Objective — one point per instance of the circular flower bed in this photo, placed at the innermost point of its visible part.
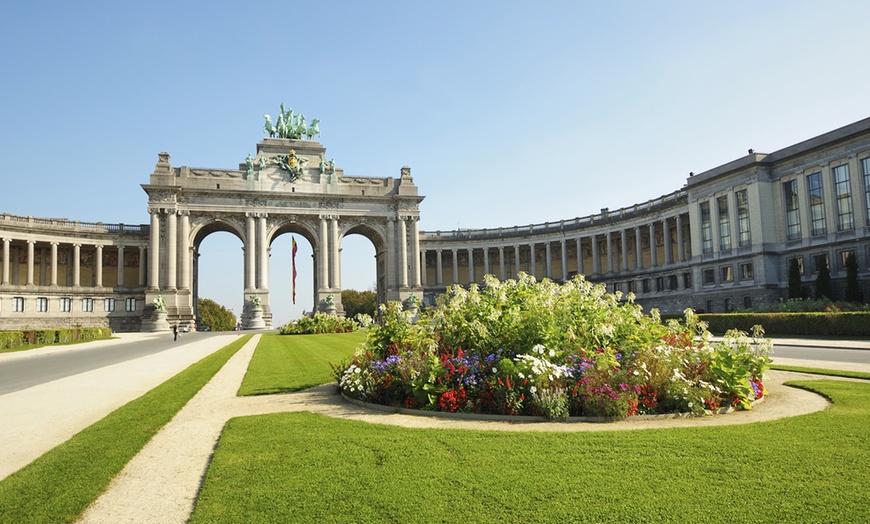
(523, 347)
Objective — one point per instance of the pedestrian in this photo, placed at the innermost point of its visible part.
(239, 328)
(174, 332)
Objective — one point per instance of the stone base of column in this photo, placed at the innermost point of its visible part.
(155, 322)
(255, 319)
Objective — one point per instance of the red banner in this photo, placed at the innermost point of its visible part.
(294, 269)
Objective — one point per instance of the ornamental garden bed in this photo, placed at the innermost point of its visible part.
(538, 349)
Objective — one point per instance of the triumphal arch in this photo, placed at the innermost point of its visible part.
(288, 186)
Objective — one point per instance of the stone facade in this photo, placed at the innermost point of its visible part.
(721, 242)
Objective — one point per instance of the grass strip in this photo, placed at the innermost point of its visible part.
(290, 363)
(304, 467)
(822, 371)
(59, 486)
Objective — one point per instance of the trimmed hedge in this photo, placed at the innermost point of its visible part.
(847, 324)
(42, 337)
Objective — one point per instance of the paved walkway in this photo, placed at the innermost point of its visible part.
(161, 483)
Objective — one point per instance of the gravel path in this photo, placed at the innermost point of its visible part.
(161, 483)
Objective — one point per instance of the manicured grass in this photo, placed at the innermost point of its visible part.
(59, 486)
(823, 371)
(303, 467)
(284, 363)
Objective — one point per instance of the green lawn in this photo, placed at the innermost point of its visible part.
(285, 363)
(303, 467)
(58, 486)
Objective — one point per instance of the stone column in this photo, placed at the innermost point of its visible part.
(184, 245)
(610, 262)
(250, 252)
(486, 270)
(142, 269)
(334, 255)
(681, 248)
(455, 266)
(263, 252)
(471, 265)
(77, 269)
(596, 256)
(54, 264)
(653, 256)
(533, 262)
(423, 267)
(403, 253)
(439, 269)
(30, 244)
(120, 266)
(564, 260)
(416, 277)
(580, 256)
(623, 237)
(6, 242)
(391, 254)
(153, 252)
(548, 257)
(669, 254)
(171, 249)
(501, 262)
(638, 249)
(516, 260)
(98, 265)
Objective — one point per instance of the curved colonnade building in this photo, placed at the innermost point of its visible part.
(724, 241)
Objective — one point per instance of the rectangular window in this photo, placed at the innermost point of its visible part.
(42, 304)
(88, 305)
(706, 228)
(843, 188)
(709, 277)
(646, 285)
(727, 305)
(672, 282)
(746, 272)
(820, 261)
(109, 305)
(724, 223)
(800, 263)
(65, 304)
(130, 305)
(817, 204)
(744, 238)
(865, 164)
(18, 304)
(747, 302)
(844, 256)
(660, 284)
(726, 273)
(687, 281)
(792, 211)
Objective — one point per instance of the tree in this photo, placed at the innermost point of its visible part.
(853, 289)
(215, 316)
(823, 281)
(355, 302)
(795, 287)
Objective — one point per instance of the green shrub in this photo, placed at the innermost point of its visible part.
(837, 324)
(319, 323)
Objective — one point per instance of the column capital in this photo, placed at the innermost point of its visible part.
(31, 241)
(54, 243)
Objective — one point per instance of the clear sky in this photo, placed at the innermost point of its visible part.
(508, 113)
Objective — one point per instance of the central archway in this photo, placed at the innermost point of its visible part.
(276, 192)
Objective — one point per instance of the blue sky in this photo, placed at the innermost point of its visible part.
(508, 113)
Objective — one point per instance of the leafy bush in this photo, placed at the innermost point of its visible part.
(522, 347)
(215, 316)
(319, 323)
(358, 302)
(16, 339)
(832, 323)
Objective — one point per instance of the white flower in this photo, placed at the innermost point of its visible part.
(690, 405)
(533, 390)
(552, 352)
(522, 376)
(495, 370)
(357, 370)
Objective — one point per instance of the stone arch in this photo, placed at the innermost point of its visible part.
(376, 234)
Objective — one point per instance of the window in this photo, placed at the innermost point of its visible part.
(747, 302)
(632, 286)
(672, 282)
(843, 189)
(710, 304)
(65, 304)
(866, 165)
(792, 211)
(800, 263)
(646, 285)
(709, 277)
(724, 223)
(42, 304)
(88, 305)
(687, 280)
(746, 272)
(844, 255)
(660, 284)
(820, 261)
(817, 204)
(728, 305)
(726, 273)
(130, 305)
(109, 305)
(18, 304)
(744, 237)
(706, 229)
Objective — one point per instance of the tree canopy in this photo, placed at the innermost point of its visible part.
(356, 302)
(215, 316)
